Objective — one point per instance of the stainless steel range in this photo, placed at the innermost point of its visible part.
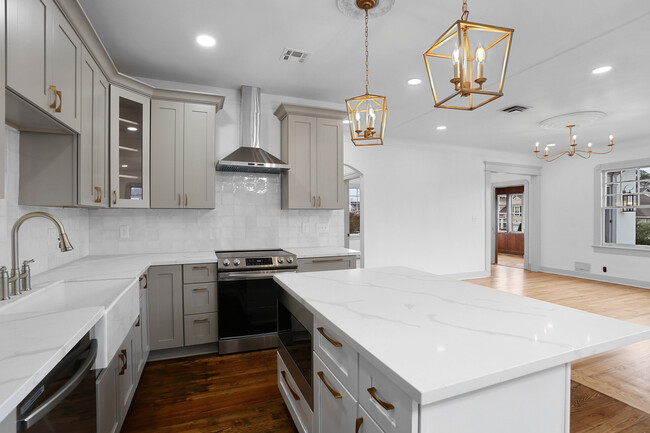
(247, 298)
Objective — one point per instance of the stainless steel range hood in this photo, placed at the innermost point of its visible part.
(250, 157)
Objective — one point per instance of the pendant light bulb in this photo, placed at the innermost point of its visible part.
(455, 56)
(480, 54)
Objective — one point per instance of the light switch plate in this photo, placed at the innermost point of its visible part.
(124, 232)
(323, 228)
(305, 227)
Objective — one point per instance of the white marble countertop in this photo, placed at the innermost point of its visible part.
(306, 252)
(40, 326)
(437, 338)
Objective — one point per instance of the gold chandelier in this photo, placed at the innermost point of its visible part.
(468, 45)
(573, 148)
(367, 113)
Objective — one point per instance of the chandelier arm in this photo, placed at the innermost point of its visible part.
(556, 156)
(604, 153)
(581, 153)
(367, 69)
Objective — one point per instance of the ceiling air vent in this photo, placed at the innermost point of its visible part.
(515, 109)
(295, 56)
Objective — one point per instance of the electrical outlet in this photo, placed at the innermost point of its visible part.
(580, 266)
(124, 232)
(604, 268)
(323, 228)
(305, 227)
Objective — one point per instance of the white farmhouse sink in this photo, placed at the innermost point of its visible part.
(119, 299)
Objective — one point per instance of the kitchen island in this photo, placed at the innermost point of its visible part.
(448, 356)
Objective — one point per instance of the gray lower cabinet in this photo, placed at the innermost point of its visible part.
(314, 264)
(200, 328)
(182, 155)
(8, 425)
(165, 290)
(108, 415)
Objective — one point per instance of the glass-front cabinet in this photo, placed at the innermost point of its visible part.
(130, 118)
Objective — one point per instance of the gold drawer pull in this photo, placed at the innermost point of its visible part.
(385, 405)
(293, 393)
(98, 190)
(201, 320)
(330, 339)
(114, 197)
(200, 267)
(332, 390)
(53, 89)
(146, 280)
(124, 359)
(137, 324)
(59, 93)
(179, 200)
(318, 201)
(200, 289)
(327, 260)
(359, 422)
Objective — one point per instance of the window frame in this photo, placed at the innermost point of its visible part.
(600, 207)
(510, 212)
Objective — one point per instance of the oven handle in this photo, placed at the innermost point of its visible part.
(236, 276)
(39, 412)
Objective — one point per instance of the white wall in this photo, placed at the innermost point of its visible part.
(38, 237)
(568, 194)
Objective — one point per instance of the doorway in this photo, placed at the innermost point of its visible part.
(510, 239)
(353, 211)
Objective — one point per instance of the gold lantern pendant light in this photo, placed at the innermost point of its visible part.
(367, 113)
(464, 50)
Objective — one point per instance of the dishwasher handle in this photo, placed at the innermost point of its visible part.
(39, 412)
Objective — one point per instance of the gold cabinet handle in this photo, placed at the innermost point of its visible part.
(54, 93)
(200, 267)
(200, 289)
(318, 201)
(124, 359)
(98, 198)
(293, 393)
(330, 339)
(100, 194)
(327, 260)
(314, 201)
(179, 199)
(146, 281)
(137, 324)
(385, 405)
(335, 393)
(201, 320)
(60, 95)
(114, 197)
(359, 422)
(186, 198)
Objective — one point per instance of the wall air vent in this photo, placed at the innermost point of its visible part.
(515, 109)
(294, 56)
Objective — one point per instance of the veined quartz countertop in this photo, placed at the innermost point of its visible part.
(437, 338)
(305, 252)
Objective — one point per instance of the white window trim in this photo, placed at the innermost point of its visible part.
(599, 224)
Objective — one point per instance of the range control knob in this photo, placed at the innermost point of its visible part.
(236, 262)
(226, 262)
(289, 259)
(280, 260)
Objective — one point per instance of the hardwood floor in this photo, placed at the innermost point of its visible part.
(238, 393)
(209, 393)
(510, 260)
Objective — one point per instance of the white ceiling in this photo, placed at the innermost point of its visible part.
(555, 46)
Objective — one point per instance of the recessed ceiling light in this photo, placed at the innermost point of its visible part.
(441, 128)
(132, 128)
(414, 81)
(206, 41)
(550, 145)
(601, 70)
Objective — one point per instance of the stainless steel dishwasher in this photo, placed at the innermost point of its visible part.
(65, 400)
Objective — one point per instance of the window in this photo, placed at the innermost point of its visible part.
(355, 210)
(510, 213)
(625, 206)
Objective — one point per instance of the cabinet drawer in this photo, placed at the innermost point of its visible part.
(402, 417)
(200, 298)
(297, 405)
(200, 273)
(366, 423)
(336, 353)
(335, 409)
(314, 264)
(200, 329)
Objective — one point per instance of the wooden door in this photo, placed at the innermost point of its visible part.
(198, 156)
(64, 69)
(27, 26)
(165, 285)
(329, 164)
(301, 154)
(167, 154)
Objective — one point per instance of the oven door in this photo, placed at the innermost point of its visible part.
(295, 325)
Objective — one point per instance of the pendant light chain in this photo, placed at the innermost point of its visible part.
(367, 70)
(465, 14)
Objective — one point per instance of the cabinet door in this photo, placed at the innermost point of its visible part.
(144, 318)
(107, 410)
(198, 156)
(165, 287)
(125, 375)
(27, 25)
(335, 410)
(130, 116)
(329, 164)
(138, 355)
(63, 69)
(167, 154)
(364, 423)
(93, 137)
(300, 154)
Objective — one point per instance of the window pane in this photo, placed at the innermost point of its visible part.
(630, 174)
(516, 213)
(644, 173)
(613, 200)
(612, 189)
(355, 210)
(643, 227)
(613, 176)
(610, 226)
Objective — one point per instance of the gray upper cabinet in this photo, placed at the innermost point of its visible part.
(182, 155)
(312, 144)
(165, 285)
(93, 138)
(44, 59)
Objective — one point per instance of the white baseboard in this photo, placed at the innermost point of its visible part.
(595, 277)
(468, 275)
